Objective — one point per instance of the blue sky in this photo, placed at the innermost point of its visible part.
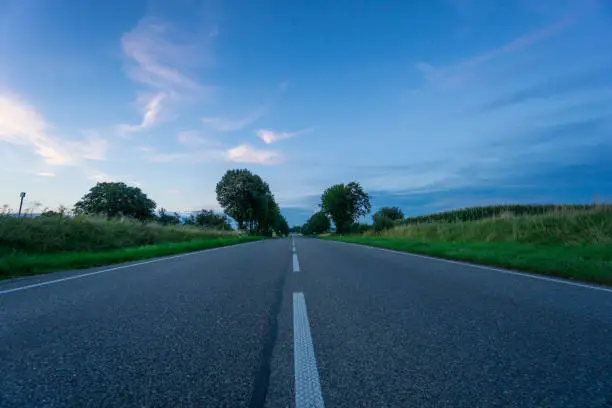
(431, 105)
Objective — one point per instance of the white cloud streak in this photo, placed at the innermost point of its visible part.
(151, 114)
(270, 136)
(22, 125)
(246, 153)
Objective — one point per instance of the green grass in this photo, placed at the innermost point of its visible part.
(570, 243)
(585, 263)
(20, 264)
(43, 235)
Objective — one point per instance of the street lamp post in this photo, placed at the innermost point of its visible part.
(22, 195)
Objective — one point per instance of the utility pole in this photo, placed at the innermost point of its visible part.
(22, 195)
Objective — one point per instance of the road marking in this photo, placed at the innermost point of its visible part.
(506, 271)
(84, 275)
(307, 384)
(296, 263)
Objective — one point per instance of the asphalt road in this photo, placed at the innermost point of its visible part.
(355, 327)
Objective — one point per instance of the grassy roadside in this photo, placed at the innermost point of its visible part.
(592, 263)
(22, 264)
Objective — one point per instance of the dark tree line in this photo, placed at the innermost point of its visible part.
(244, 196)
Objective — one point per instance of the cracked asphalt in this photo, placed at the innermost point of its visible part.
(214, 329)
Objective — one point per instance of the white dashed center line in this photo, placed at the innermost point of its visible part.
(307, 384)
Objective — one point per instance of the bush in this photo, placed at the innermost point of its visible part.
(83, 233)
(382, 223)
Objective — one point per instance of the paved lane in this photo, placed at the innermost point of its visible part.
(190, 331)
(393, 330)
(323, 323)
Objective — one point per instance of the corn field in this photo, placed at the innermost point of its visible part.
(493, 211)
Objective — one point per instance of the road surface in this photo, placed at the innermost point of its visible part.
(308, 323)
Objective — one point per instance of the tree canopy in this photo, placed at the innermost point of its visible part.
(116, 199)
(318, 223)
(207, 219)
(246, 198)
(344, 204)
(385, 218)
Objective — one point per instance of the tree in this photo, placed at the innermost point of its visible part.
(243, 196)
(207, 219)
(246, 198)
(344, 204)
(167, 219)
(115, 200)
(318, 223)
(393, 213)
(385, 218)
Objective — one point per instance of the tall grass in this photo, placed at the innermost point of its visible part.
(479, 213)
(567, 226)
(44, 235)
(570, 242)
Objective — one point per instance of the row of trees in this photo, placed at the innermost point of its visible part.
(344, 204)
(244, 196)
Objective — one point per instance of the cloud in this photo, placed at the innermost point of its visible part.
(45, 174)
(159, 55)
(22, 125)
(222, 124)
(270, 136)
(151, 114)
(101, 177)
(464, 69)
(245, 153)
(152, 56)
(146, 149)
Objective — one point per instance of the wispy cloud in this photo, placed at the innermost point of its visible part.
(270, 136)
(246, 153)
(45, 174)
(463, 70)
(153, 56)
(151, 114)
(160, 56)
(222, 124)
(22, 125)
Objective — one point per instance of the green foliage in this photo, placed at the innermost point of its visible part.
(207, 219)
(247, 198)
(344, 204)
(167, 219)
(588, 263)
(386, 217)
(381, 223)
(297, 229)
(566, 227)
(479, 213)
(318, 223)
(83, 233)
(393, 213)
(18, 264)
(115, 200)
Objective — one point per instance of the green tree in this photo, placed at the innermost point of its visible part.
(244, 197)
(207, 219)
(318, 223)
(165, 218)
(344, 204)
(115, 200)
(386, 217)
(393, 213)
